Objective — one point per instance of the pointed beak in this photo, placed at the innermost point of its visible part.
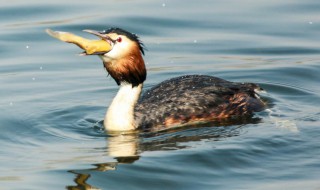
(90, 47)
(101, 35)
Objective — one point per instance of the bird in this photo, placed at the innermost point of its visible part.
(176, 102)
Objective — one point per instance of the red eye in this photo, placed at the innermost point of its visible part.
(119, 39)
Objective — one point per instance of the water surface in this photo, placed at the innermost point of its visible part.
(53, 101)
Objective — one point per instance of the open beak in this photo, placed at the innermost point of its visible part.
(90, 47)
(101, 35)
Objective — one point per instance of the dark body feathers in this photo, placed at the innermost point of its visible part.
(194, 98)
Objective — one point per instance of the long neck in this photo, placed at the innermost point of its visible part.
(120, 115)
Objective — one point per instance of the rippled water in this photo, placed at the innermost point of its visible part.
(53, 101)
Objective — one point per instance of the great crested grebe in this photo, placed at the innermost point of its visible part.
(175, 102)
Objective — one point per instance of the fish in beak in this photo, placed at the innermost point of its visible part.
(90, 47)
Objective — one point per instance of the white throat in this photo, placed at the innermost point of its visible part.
(120, 114)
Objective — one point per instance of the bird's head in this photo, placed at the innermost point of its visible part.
(123, 57)
(120, 51)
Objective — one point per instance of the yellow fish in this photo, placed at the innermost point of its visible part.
(91, 47)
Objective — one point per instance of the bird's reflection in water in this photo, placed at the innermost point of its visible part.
(81, 181)
(121, 146)
(126, 147)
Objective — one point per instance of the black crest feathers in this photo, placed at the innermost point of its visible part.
(130, 35)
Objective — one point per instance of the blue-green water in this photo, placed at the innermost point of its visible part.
(52, 101)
